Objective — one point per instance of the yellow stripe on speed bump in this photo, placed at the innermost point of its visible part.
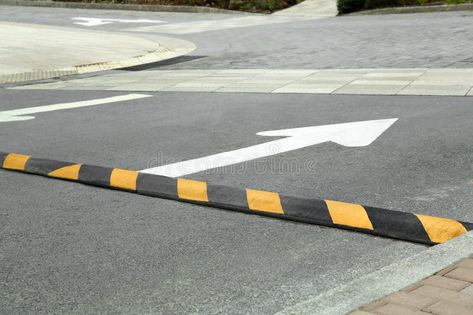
(15, 161)
(349, 214)
(124, 179)
(441, 230)
(67, 172)
(266, 201)
(192, 190)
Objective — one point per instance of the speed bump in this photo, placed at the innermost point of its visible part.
(406, 226)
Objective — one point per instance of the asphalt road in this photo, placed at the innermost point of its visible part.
(69, 248)
(434, 40)
(93, 250)
(420, 164)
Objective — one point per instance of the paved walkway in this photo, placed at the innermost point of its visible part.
(306, 10)
(311, 8)
(27, 51)
(342, 81)
(448, 292)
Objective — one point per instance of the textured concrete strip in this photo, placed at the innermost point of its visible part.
(382, 222)
(332, 81)
(387, 280)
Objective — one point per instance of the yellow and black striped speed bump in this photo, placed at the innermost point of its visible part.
(388, 223)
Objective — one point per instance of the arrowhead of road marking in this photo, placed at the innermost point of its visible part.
(353, 134)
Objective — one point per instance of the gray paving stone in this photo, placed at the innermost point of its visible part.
(369, 89)
(308, 88)
(435, 90)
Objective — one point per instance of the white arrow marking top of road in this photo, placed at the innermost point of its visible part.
(86, 21)
(354, 134)
(17, 114)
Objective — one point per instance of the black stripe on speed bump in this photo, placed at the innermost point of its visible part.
(227, 197)
(95, 175)
(397, 224)
(44, 167)
(467, 225)
(307, 210)
(156, 186)
(3, 155)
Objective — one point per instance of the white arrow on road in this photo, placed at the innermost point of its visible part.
(354, 134)
(86, 21)
(19, 114)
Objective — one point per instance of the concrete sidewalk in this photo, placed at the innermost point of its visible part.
(437, 281)
(454, 82)
(304, 11)
(449, 291)
(31, 52)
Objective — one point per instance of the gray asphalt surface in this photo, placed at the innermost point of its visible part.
(69, 248)
(91, 250)
(422, 163)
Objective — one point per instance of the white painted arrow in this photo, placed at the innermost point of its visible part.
(86, 21)
(19, 114)
(354, 134)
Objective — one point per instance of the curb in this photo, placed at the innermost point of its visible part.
(348, 297)
(157, 55)
(165, 48)
(117, 6)
(377, 221)
(417, 9)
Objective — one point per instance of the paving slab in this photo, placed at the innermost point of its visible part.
(437, 294)
(371, 89)
(418, 89)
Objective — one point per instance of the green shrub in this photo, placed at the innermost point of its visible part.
(348, 6)
(373, 4)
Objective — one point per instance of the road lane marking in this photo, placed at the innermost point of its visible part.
(354, 134)
(87, 21)
(18, 114)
